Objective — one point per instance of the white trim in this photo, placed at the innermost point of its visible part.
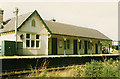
(34, 41)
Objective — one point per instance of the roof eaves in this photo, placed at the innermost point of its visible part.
(81, 37)
(43, 22)
(7, 31)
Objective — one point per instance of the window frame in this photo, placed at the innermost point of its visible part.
(33, 39)
(33, 23)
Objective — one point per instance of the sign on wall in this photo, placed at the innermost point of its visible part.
(60, 44)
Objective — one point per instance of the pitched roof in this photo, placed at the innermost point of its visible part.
(10, 26)
(72, 30)
(58, 28)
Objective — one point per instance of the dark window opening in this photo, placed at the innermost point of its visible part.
(27, 43)
(37, 36)
(27, 35)
(37, 43)
(32, 43)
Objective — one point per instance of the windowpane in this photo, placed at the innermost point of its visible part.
(37, 43)
(32, 43)
(27, 43)
(27, 35)
(37, 36)
(68, 44)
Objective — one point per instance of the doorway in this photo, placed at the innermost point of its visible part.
(54, 46)
(96, 48)
(85, 49)
(75, 47)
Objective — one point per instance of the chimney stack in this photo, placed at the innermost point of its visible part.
(1, 15)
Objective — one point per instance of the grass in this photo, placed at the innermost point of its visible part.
(108, 68)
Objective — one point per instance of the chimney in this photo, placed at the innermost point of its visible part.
(53, 20)
(1, 15)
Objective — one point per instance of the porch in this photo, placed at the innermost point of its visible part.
(70, 45)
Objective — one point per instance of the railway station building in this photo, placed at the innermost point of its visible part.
(36, 36)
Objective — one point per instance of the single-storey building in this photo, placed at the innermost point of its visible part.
(43, 37)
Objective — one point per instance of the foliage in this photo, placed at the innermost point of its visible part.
(98, 69)
(93, 69)
(110, 68)
(106, 43)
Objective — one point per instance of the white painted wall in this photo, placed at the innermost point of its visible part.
(28, 28)
(38, 29)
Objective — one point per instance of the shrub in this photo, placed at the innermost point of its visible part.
(110, 61)
(93, 69)
(110, 71)
(110, 68)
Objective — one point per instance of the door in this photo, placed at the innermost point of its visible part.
(75, 47)
(96, 48)
(54, 46)
(85, 48)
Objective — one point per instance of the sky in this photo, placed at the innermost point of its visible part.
(96, 14)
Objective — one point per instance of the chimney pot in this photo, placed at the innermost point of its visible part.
(53, 20)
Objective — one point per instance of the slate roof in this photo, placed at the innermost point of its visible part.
(58, 28)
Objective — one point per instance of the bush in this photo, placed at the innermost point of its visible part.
(97, 69)
(110, 68)
(93, 69)
(110, 61)
(110, 71)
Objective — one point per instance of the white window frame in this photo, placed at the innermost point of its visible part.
(35, 40)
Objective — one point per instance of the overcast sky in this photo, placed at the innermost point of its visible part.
(102, 16)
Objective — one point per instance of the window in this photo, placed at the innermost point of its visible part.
(68, 44)
(33, 40)
(27, 35)
(37, 43)
(27, 43)
(33, 22)
(32, 43)
(37, 36)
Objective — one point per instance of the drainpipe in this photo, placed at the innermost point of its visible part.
(91, 46)
(64, 46)
(79, 46)
(16, 25)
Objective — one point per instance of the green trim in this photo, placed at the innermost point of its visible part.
(81, 37)
(43, 22)
(64, 47)
(39, 18)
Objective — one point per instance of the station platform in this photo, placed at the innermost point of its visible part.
(55, 56)
(13, 63)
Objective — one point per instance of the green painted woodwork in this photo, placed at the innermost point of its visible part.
(8, 48)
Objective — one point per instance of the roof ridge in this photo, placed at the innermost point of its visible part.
(72, 25)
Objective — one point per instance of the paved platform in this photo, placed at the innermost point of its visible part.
(55, 56)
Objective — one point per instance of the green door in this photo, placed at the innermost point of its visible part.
(85, 48)
(96, 48)
(54, 46)
(75, 47)
(8, 48)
